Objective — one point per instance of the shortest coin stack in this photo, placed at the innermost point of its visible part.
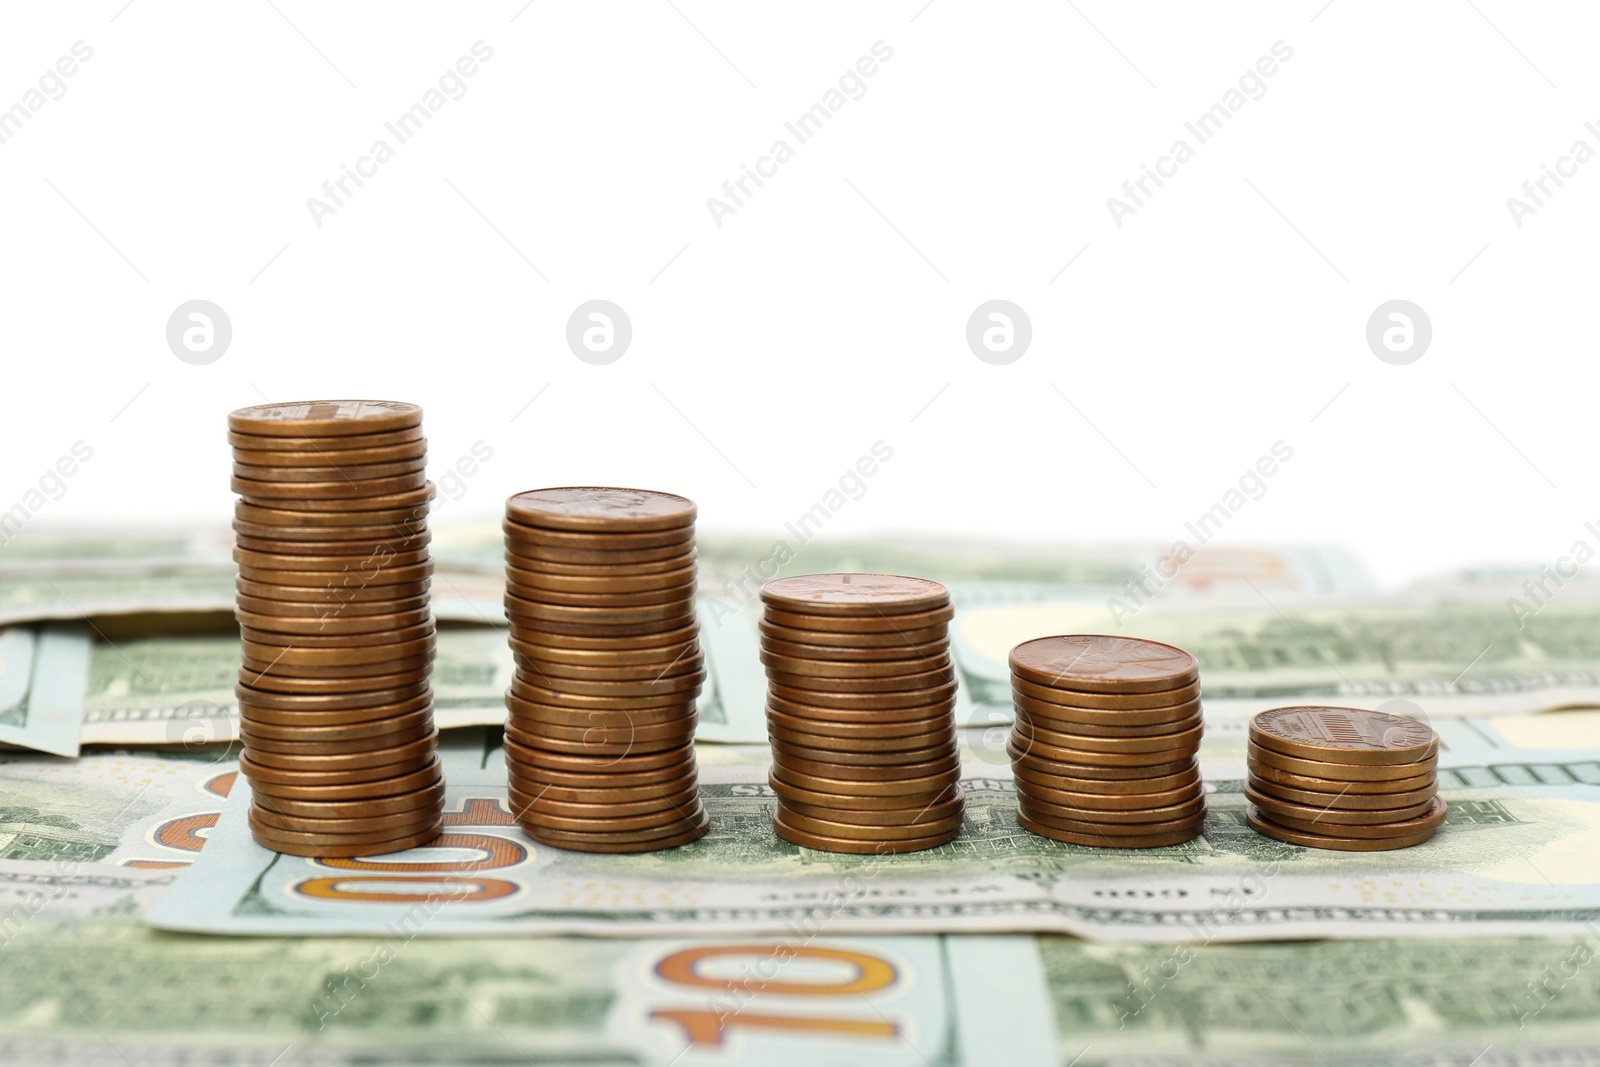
(1343, 778)
(860, 712)
(1103, 751)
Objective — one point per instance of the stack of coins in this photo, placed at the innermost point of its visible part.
(1343, 778)
(600, 739)
(336, 713)
(861, 712)
(1103, 750)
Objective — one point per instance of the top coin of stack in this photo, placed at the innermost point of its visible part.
(1103, 750)
(1343, 778)
(335, 707)
(860, 712)
(600, 739)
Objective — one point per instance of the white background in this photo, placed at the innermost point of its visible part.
(829, 312)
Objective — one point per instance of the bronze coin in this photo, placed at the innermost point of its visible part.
(594, 843)
(580, 553)
(627, 764)
(390, 824)
(528, 539)
(855, 641)
(1110, 801)
(1261, 774)
(286, 680)
(822, 843)
(548, 672)
(1036, 723)
(536, 780)
(426, 797)
(277, 494)
(624, 580)
(802, 771)
(1343, 772)
(854, 787)
(1105, 702)
(1099, 663)
(910, 698)
(934, 659)
(822, 716)
(1345, 801)
(1323, 819)
(589, 747)
(278, 776)
(383, 848)
(661, 696)
(1262, 824)
(332, 457)
(531, 807)
(1038, 765)
(1427, 821)
(413, 751)
(313, 510)
(614, 824)
(858, 832)
(1174, 837)
(371, 728)
(680, 686)
(256, 743)
(802, 744)
(422, 777)
(860, 624)
(299, 720)
(363, 472)
(1344, 735)
(656, 657)
(600, 509)
(645, 828)
(893, 684)
(1184, 734)
(673, 733)
(250, 635)
(677, 595)
(854, 594)
(319, 443)
(1022, 745)
(528, 793)
(549, 632)
(1033, 780)
(351, 655)
(312, 702)
(941, 792)
(372, 573)
(619, 568)
(1132, 820)
(332, 539)
(1043, 710)
(529, 717)
(382, 547)
(320, 607)
(396, 827)
(405, 517)
(652, 637)
(825, 760)
(341, 593)
(334, 625)
(929, 654)
(538, 613)
(923, 815)
(324, 418)
(863, 730)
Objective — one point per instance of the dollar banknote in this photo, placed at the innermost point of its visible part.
(1515, 856)
(43, 672)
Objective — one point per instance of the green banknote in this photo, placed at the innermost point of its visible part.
(1517, 855)
(43, 672)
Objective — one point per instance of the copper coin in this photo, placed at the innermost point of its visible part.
(1073, 718)
(941, 792)
(317, 443)
(631, 764)
(529, 717)
(892, 684)
(528, 793)
(373, 788)
(690, 661)
(823, 843)
(596, 843)
(256, 743)
(546, 631)
(1426, 821)
(660, 819)
(649, 656)
(335, 656)
(259, 698)
(527, 538)
(332, 457)
(899, 749)
(382, 547)
(590, 747)
(1105, 772)
(854, 594)
(663, 696)
(314, 509)
(933, 658)
(1125, 820)
(1175, 837)
(324, 418)
(1184, 734)
(1035, 723)
(650, 636)
(259, 716)
(618, 568)
(1344, 735)
(405, 517)
(355, 472)
(1111, 801)
(604, 809)
(274, 493)
(536, 780)
(600, 509)
(1320, 818)
(1106, 701)
(915, 777)
(1343, 772)
(1033, 780)
(334, 625)
(855, 641)
(426, 797)
(292, 680)
(382, 848)
(823, 716)
(773, 651)
(678, 594)
(250, 635)
(278, 776)
(858, 832)
(374, 835)
(624, 580)
(923, 815)
(1346, 801)
(536, 612)
(1022, 745)
(909, 698)
(592, 551)
(373, 573)
(334, 539)
(1262, 824)
(322, 606)
(338, 594)
(1098, 663)
(337, 732)
(1262, 774)
(862, 730)
(648, 828)
(389, 824)
(677, 685)
(832, 760)
(673, 732)
(860, 624)
(413, 751)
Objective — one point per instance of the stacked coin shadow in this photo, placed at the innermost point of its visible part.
(861, 698)
(1103, 749)
(335, 705)
(601, 711)
(1343, 779)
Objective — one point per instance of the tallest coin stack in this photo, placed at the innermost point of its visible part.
(335, 706)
